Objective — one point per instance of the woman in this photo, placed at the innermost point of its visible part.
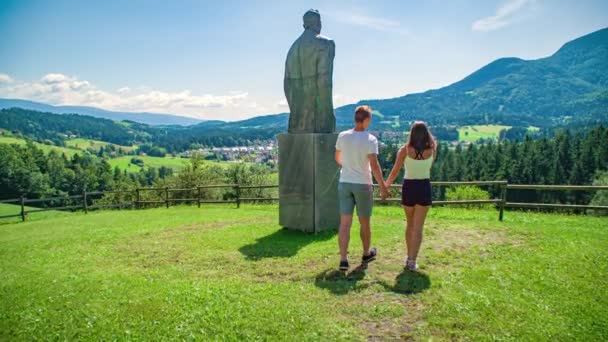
(417, 156)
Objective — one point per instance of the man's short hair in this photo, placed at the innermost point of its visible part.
(311, 18)
(362, 113)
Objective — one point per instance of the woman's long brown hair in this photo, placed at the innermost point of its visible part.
(420, 137)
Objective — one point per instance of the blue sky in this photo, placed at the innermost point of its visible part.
(224, 59)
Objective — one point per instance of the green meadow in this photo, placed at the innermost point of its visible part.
(46, 148)
(221, 273)
(84, 144)
(476, 132)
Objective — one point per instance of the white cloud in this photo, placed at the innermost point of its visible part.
(374, 23)
(504, 15)
(123, 90)
(4, 78)
(59, 89)
(341, 100)
(54, 78)
(283, 104)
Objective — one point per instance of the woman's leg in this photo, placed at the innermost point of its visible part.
(409, 228)
(419, 217)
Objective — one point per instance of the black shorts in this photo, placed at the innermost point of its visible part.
(416, 192)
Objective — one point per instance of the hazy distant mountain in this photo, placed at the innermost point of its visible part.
(147, 118)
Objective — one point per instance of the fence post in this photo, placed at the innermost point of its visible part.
(22, 208)
(503, 197)
(84, 201)
(137, 202)
(238, 196)
(198, 188)
(167, 196)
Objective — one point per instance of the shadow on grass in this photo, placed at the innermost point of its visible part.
(283, 243)
(341, 283)
(409, 282)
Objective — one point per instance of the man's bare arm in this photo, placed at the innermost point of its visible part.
(377, 172)
(338, 157)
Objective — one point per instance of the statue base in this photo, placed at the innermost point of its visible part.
(308, 182)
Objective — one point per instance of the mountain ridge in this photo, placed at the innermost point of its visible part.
(155, 119)
(569, 85)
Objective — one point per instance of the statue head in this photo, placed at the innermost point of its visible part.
(312, 21)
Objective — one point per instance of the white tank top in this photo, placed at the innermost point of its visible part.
(418, 168)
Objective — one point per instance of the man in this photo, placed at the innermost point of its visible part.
(308, 79)
(357, 154)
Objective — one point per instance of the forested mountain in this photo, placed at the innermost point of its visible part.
(146, 118)
(48, 126)
(569, 86)
(53, 127)
(565, 89)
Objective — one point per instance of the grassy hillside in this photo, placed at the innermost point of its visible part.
(233, 274)
(85, 144)
(46, 148)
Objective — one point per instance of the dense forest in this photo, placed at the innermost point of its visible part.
(28, 171)
(579, 158)
(567, 158)
(53, 127)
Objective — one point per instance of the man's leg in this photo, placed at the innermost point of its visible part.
(344, 235)
(364, 199)
(347, 206)
(366, 234)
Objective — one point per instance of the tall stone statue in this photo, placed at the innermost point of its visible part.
(308, 172)
(308, 79)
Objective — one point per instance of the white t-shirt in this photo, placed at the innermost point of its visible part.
(355, 147)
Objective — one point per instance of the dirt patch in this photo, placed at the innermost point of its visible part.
(382, 325)
(462, 240)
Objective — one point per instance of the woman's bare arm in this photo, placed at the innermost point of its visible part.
(397, 167)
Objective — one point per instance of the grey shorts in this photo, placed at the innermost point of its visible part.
(359, 195)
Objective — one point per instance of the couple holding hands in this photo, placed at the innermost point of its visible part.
(357, 154)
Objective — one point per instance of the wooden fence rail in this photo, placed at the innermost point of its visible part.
(136, 200)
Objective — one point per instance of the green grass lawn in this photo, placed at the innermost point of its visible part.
(15, 209)
(476, 132)
(233, 274)
(46, 148)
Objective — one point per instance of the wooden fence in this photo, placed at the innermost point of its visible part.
(137, 202)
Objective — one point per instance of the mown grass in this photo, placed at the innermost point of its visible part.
(234, 274)
(15, 209)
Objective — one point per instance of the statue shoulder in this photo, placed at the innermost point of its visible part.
(326, 44)
(325, 40)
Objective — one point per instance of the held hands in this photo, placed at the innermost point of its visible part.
(384, 193)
